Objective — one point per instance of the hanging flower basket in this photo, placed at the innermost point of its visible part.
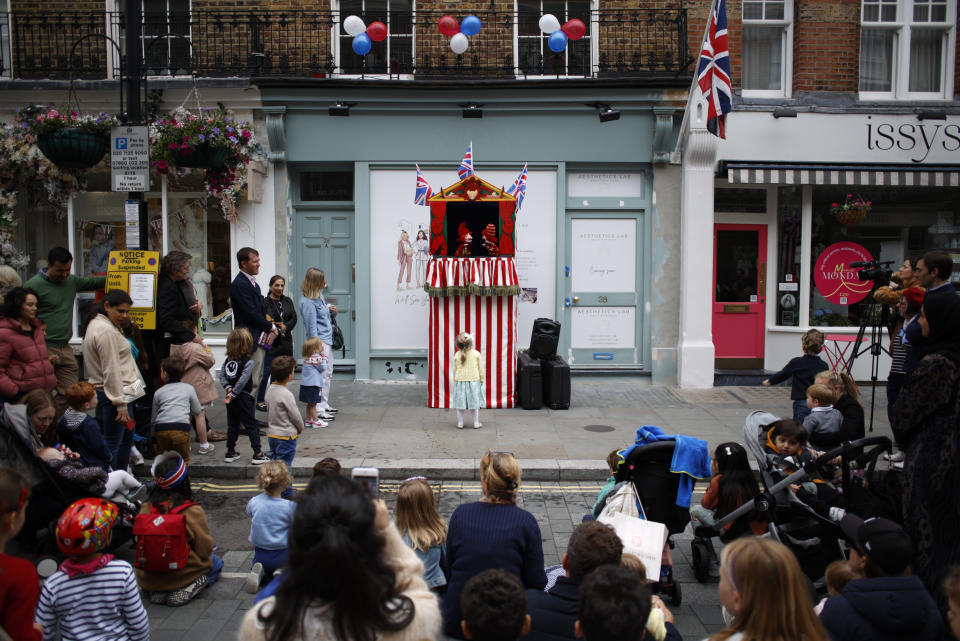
(73, 148)
(852, 211)
(203, 156)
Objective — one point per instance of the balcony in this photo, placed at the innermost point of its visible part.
(648, 45)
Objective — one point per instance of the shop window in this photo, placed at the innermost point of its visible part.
(393, 55)
(5, 57)
(767, 47)
(906, 49)
(195, 225)
(903, 223)
(534, 57)
(789, 200)
(170, 55)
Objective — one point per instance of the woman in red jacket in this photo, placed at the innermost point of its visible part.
(24, 363)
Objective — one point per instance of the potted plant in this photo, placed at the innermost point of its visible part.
(212, 140)
(70, 140)
(853, 210)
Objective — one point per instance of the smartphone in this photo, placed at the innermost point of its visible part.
(370, 477)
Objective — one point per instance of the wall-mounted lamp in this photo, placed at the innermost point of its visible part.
(340, 108)
(605, 112)
(472, 110)
(783, 112)
(931, 114)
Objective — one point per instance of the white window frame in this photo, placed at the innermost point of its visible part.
(786, 55)
(6, 51)
(902, 27)
(336, 31)
(593, 25)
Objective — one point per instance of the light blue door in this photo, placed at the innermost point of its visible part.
(324, 239)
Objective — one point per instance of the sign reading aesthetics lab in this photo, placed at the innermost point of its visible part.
(135, 272)
(835, 279)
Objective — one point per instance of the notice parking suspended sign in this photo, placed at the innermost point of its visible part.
(130, 158)
(136, 272)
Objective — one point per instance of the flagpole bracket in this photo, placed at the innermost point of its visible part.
(662, 133)
(276, 133)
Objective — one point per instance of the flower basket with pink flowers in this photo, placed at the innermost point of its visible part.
(852, 211)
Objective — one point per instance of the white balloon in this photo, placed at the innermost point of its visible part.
(549, 23)
(354, 26)
(459, 43)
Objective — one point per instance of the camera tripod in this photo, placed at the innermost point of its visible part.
(875, 318)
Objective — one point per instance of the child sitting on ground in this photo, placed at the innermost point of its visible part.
(783, 444)
(494, 607)
(613, 462)
(803, 369)
(172, 494)
(197, 361)
(660, 614)
(117, 485)
(423, 529)
(173, 405)
(837, 575)
(732, 485)
(19, 583)
(283, 415)
(612, 600)
(270, 519)
(327, 466)
(823, 422)
(81, 432)
(92, 595)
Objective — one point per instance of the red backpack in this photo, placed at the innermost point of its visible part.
(162, 539)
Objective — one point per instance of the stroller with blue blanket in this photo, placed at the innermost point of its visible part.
(808, 531)
(662, 469)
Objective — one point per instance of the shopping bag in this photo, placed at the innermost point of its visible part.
(642, 538)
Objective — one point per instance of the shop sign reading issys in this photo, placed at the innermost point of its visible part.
(835, 279)
(135, 272)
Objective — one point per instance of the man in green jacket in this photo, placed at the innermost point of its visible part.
(56, 291)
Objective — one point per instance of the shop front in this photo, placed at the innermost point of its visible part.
(783, 191)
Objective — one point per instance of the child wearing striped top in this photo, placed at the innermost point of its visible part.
(92, 595)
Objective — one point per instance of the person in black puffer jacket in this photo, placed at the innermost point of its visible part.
(889, 604)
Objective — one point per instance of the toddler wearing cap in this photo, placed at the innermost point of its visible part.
(888, 603)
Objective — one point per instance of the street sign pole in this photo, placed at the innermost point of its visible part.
(133, 72)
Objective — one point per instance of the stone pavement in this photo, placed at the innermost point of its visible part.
(388, 425)
(216, 614)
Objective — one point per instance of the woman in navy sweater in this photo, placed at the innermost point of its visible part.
(492, 533)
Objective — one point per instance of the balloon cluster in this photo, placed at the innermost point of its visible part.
(364, 36)
(458, 32)
(571, 30)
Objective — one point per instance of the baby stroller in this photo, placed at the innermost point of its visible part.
(50, 494)
(813, 537)
(648, 468)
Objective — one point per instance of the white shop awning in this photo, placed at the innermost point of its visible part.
(759, 173)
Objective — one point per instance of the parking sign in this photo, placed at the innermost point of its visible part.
(130, 158)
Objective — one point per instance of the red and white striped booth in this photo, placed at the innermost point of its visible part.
(479, 296)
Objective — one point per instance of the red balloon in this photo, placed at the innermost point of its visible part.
(449, 26)
(377, 31)
(575, 29)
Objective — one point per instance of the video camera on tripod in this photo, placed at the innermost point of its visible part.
(874, 270)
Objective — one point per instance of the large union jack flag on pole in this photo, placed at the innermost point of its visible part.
(466, 165)
(423, 189)
(713, 71)
(519, 187)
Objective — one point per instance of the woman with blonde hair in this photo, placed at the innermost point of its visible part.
(423, 529)
(318, 317)
(764, 590)
(492, 533)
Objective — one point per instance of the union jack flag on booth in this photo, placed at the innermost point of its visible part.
(713, 71)
(423, 189)
(466, 165)
(519, 187)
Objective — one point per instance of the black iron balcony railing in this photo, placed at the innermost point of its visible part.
(641, 43)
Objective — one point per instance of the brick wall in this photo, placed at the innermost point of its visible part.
(826, 45)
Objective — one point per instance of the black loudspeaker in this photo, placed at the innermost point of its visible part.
(543, 341)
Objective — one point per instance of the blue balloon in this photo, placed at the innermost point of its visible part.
(470, 26)
(362, 44)
(557, 41)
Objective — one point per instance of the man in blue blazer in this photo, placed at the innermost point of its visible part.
(250, 307)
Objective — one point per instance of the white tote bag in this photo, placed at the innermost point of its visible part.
(640, 537)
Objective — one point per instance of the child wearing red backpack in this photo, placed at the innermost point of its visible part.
(169, 573)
